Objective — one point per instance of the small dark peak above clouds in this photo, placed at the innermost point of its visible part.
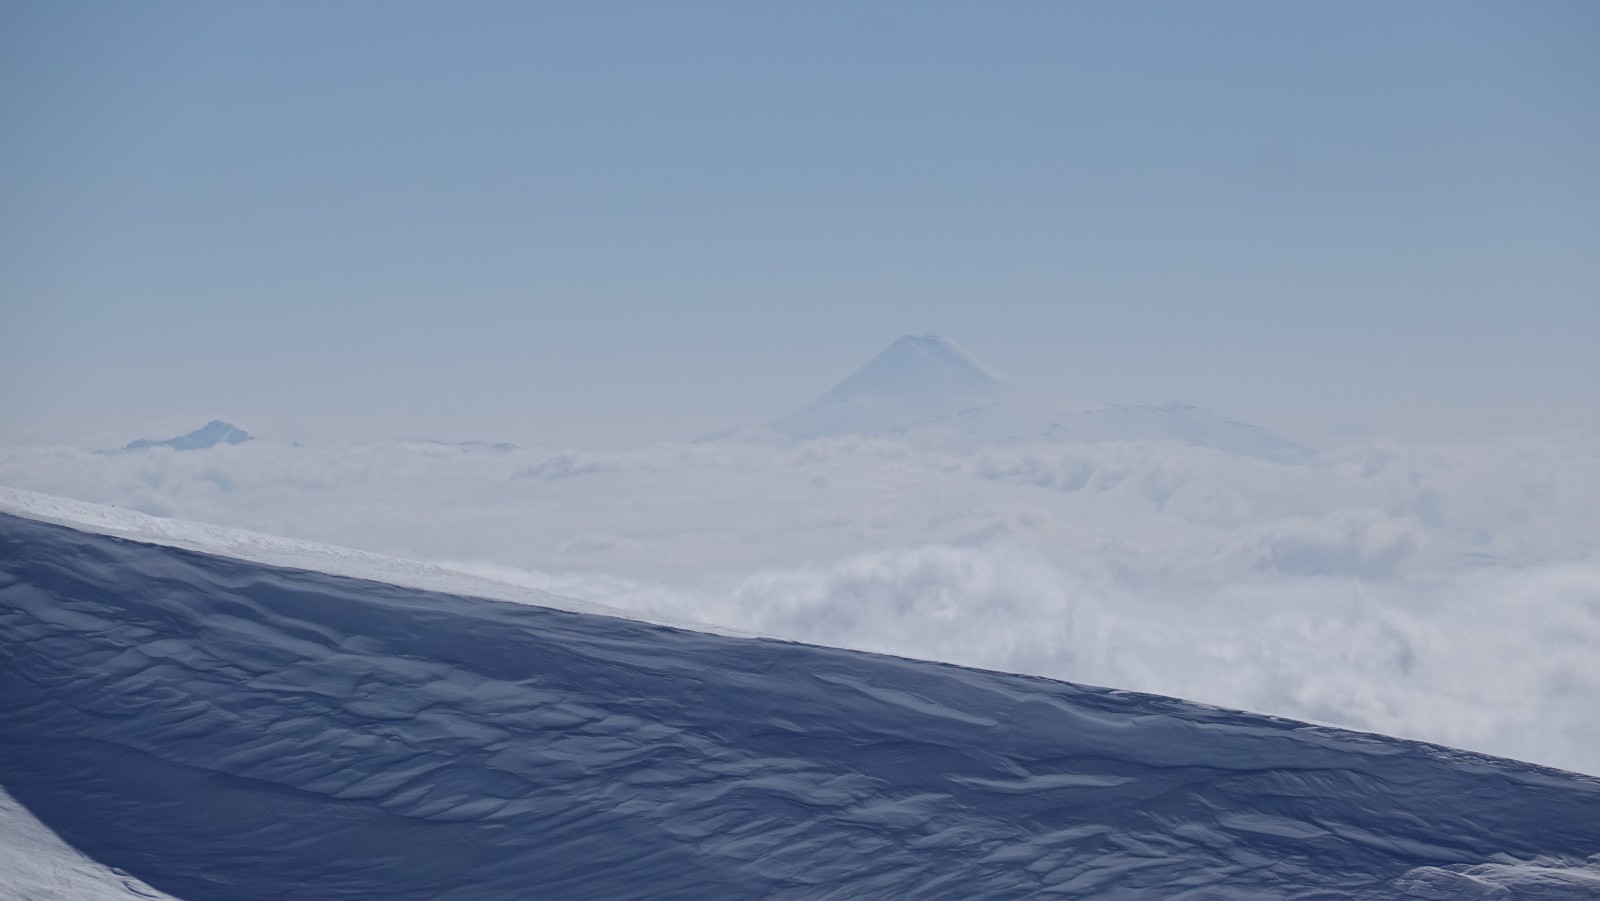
(211, 434)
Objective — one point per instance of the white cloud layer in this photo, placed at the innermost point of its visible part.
(1449, 593)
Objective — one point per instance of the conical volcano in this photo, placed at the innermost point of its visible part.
(916, 379)
(929, 390)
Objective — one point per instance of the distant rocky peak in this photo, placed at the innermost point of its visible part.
(211, 434)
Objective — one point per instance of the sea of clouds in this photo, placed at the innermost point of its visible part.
(1447, 593)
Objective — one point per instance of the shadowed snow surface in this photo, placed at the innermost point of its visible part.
(225, 729)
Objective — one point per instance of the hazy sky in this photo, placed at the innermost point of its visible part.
(605, 224)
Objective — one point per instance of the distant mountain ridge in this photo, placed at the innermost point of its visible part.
(211, 434)
(930, 390)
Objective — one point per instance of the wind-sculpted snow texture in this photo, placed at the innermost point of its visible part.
(223, 729)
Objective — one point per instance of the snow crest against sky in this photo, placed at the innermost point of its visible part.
(1443, 592)
(609, 224)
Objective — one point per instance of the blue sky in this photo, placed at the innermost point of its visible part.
(606, 224)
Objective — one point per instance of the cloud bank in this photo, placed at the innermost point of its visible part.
(1449, 593)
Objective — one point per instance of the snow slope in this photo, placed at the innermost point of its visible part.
(274, 550)
(35, 864)
(221, 728)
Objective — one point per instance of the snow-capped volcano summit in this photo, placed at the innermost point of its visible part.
(928, 366)
(930, 390)
(915, 379)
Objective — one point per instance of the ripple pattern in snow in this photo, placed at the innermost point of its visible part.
(225, 729)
